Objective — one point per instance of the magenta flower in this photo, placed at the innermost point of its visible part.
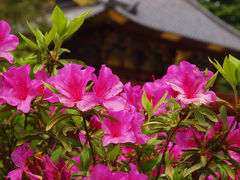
(95, 123)
(41, 90)
(155, 91)
(18, 89)
(52, 171)
(1, 86)
(102, 172)
(19, 157)
(134, 174)
(71, 82)
(189, 83)
(8, 42)
(133, 96)
(106, 88)
(129, 129)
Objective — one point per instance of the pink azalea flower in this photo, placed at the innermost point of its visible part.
(1, 86)
(155, 91)
(8, 42)
(18, 89)
(134, 174)
(102, 172)
(106, 88)
(75, 168)
(189, 83)
(71, 82)
(95, 123)
(41, 89)
(133, 96)
(52, 171)
(19, 157)
(129, 129)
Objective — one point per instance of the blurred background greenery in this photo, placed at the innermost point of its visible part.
(227, 10)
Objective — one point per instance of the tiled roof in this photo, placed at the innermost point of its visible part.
(183, 17)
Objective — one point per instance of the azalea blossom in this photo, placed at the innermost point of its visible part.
(41, 89)
(71, 82)
(155, 91)
(19, 157)
(129, 129)
(188, 84)
(106, 88)
(102, 172)
(8, 42)
(52, 171)
(133, 96)
(18, 89)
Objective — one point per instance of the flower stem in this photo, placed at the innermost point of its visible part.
(236, 118)
(235, 95)
(88, 139)
(172, 132)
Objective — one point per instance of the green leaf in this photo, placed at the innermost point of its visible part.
(229, 170)
(113, 154)
(63, 50)
(56, 154)
(28, 139)
(98, 148)
(89, 86)
(76, 23)
(71, 161)
(147, 105)
(199, 116)
(66, 129)
(230, 71)
(65, 144)
(160, 101)
(235, 149)
(85, 159)
(50, 35)
(38, 67)
(223, 114)
(29, 42)
(39, 36)
(59, 20)
(57, 119)
(148, 165)
(192, 169)
(51, 88)
(211, 81)
(169, 171)
(111, 118)
(208, 113)
(204, 160)
(220, 69)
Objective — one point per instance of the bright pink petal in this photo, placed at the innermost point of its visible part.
(115, 103)
(15, 174)
(134, 174)
(20, 155)
(8, 41)
(6, 55)
(88, 102)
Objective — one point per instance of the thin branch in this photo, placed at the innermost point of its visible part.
(88, 138)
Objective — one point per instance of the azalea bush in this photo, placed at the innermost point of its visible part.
(61, 119)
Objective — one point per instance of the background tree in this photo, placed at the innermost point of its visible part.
(227, 10)
(17, 11)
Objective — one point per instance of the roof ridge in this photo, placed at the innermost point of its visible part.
(213, 17)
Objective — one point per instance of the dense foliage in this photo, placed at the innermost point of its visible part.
(60, 119)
